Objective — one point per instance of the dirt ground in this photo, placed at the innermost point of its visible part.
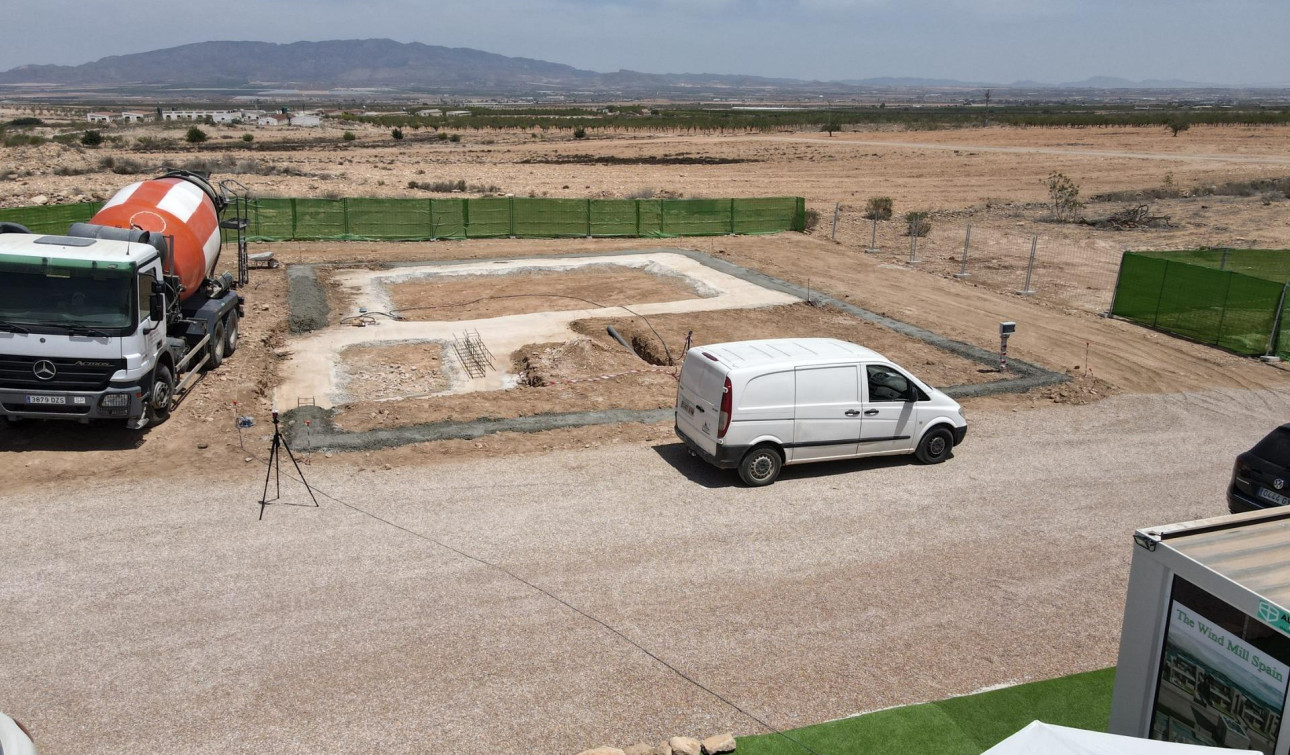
(993, 178)
(594, 371)
(392, 370)
(456, 297)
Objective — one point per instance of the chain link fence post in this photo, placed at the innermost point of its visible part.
(873, 239)
(1030, 267)
(967, 240)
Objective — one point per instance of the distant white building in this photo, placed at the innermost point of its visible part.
(305, 119)
(457, 113)
(133, 117)
(273, 119)
(430, 113)
(98, 117)
(216, 116)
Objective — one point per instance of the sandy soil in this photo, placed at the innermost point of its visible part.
(533, 291)
(392, 370)
(933, 169)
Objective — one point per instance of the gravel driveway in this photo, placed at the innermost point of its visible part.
(157, 618)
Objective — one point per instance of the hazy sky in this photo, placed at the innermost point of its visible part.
(1221, 41)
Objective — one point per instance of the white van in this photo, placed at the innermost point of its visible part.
(758, 405)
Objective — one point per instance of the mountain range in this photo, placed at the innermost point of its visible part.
(384, 63)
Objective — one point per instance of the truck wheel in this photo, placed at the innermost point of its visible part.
(160, 395)
(230, 333)
(935, 446)
(217, 347)
(760, 466)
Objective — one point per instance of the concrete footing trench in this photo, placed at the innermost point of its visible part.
(312, 384)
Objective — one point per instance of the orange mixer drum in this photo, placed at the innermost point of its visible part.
(177, 209)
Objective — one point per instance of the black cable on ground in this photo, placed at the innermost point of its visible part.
(498, 567)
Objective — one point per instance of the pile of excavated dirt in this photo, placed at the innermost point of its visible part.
(551, 363)
(475, 297)
(928, 362)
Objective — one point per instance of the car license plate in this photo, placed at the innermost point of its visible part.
(46, 399)
(688, 407)
(1276, 498)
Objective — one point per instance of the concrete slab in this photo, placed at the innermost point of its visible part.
(310, 372)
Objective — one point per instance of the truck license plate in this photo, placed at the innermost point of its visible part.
(1276, 498)
(46, 399)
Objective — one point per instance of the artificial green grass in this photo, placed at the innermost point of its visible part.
(959, 726)
(1268, 264)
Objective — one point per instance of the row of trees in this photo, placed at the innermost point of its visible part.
(688, 120)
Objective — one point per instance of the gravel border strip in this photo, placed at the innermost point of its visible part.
(308, 302)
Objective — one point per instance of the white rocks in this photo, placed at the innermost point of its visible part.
(639, 749)
(718, 744)
(685, 746)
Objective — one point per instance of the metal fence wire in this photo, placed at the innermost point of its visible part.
(1072, 274)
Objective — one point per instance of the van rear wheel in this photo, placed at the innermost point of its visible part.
(760, 466)
(935, 446)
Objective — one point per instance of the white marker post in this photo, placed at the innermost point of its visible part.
(1005, 329)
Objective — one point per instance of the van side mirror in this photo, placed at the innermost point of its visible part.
(158, 287)
(157, 308)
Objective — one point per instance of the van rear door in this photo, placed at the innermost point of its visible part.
(827, 421)
(698, 399)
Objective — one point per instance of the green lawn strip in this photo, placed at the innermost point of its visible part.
(1081, 701)
(965, 725)
(914, 729)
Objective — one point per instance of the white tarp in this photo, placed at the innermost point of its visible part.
(1045, 739)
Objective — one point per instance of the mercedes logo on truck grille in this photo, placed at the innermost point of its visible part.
(44, 369)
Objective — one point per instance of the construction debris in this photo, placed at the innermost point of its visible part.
(1131, 217)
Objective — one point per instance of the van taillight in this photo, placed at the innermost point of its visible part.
(727, 403)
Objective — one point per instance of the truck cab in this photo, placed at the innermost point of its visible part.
(90, 328)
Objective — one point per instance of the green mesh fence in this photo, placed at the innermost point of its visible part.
(1270, 264)
(399, 219)
(1209, 303)
(51, 219)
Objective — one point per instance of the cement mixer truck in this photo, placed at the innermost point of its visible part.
(116, 318)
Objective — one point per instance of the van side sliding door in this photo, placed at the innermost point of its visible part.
(827, 420)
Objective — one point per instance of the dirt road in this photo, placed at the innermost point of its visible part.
(1078, 153)
(154, 619)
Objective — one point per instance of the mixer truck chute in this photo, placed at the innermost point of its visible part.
(119, 316)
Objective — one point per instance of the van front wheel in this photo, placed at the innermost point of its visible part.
(760, 466)
(935, 446)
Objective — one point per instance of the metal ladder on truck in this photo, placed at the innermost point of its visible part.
(235, 219)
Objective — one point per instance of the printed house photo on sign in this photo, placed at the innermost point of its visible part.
(1222, 675)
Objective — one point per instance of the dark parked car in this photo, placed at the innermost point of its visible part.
(1261, 477)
